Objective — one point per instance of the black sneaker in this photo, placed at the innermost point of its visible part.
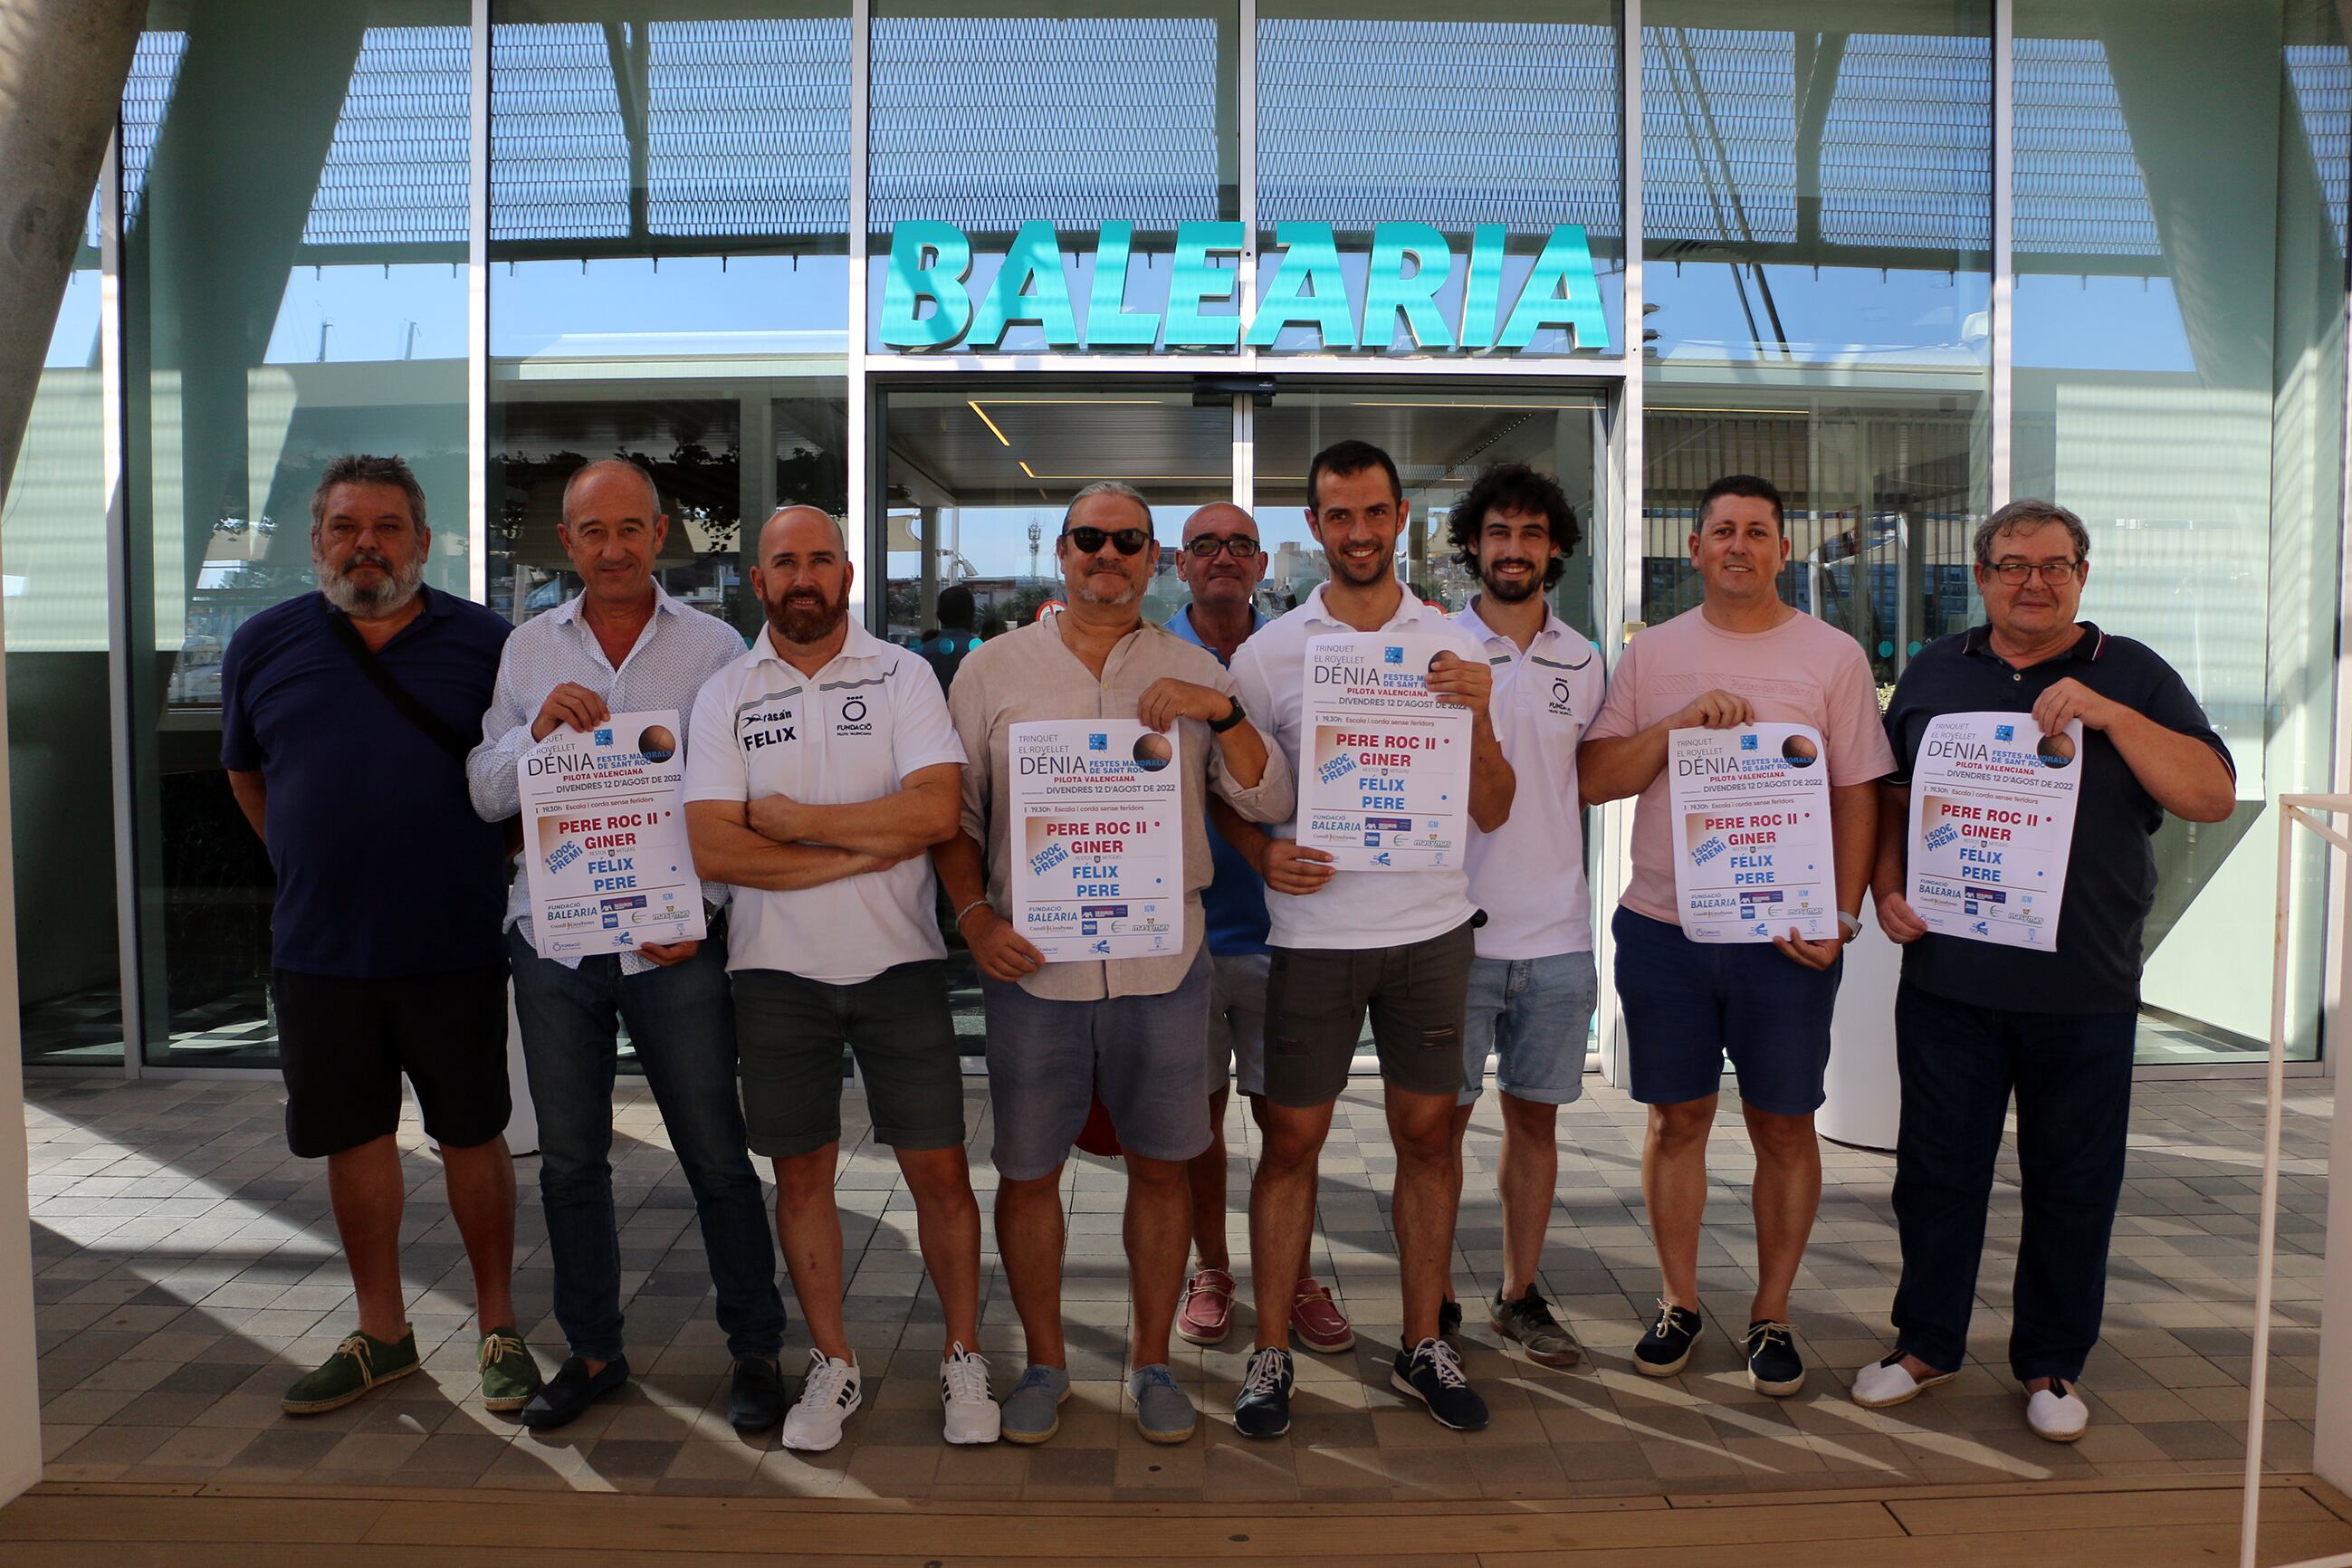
(1431, 1373)
(1665, 1350)
(565, 1397)
(1449, 1321)
(1263, 1408)
(1542, 1337)
(1774, 1367)
(755, 1400)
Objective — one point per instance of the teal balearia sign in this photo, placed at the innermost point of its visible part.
(929, 301)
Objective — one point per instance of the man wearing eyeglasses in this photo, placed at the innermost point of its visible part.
(1223, 563)
(1975, 1021)
(1127, 1030)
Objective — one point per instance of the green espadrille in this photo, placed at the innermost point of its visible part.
(510, 1376)
(358, 1363)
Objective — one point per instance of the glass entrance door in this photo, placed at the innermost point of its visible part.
(975, 473)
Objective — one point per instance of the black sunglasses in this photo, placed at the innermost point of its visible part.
(1131, 541)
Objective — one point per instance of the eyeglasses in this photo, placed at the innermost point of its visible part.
(1131, 541)
(1206, 547)
(2052, 572)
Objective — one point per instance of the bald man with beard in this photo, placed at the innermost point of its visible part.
(822, 768)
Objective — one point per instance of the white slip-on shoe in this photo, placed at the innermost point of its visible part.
(972, 1415)
(1884, 1383)
(829, 1396)
(2057, 1413)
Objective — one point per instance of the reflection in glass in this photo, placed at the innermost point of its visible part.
(1507, 114)
(1817, 212)
(714, 485)
(2179, 319)
(60, 746)
(1441, 441)
(293, 286)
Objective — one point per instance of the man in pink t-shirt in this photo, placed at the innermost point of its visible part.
(1741, 657)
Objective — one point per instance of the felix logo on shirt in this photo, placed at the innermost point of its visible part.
(771, 727)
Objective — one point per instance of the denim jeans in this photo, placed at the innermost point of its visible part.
(2072, 1077)
(683, 1025)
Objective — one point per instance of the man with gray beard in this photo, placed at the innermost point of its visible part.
(340, 712)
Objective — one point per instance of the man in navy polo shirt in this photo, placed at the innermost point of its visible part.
(343, 712)
(1975, 1020)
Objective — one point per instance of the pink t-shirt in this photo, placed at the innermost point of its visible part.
(1802, 671)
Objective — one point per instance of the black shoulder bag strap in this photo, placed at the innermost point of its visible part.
(399, 696)
(434, 728)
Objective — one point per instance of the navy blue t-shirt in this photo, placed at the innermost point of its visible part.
(1233, 906)
(2111, 868)
(383, 868)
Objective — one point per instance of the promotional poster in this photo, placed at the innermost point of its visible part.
(1992, 822)
(1097, 839)
(1753, 847)
(604, 838)
(1384, 767)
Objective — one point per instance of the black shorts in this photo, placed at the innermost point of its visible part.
(789, 1035)
(343, 1044)
(1316, 999)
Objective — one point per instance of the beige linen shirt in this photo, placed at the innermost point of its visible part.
(1028, 675)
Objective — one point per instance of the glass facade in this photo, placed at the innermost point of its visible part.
(1865, 268)
(2179, 357)
(60, 742)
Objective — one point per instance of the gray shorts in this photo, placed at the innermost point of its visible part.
(1316, 999)
(1049, 1061)
(1237, 1020)
(788, 1032)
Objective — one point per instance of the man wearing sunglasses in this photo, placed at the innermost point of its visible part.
(1395, 943)
(1223, 563)
(1126, 1030)
(1975, 1021)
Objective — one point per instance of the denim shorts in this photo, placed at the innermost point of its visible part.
(1536, 1016)
(1689, 1005)
(1143, 1055)
(1237, 1020)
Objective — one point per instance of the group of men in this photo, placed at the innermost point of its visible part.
(834, 792)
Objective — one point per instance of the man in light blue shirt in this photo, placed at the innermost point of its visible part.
(624, 645)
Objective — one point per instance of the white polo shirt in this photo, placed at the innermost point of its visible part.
(1529, 874)
(853, 733)
(1354, 910)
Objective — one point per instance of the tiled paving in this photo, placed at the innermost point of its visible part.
(186, 1271)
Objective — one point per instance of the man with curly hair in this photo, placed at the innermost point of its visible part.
(1532, 984)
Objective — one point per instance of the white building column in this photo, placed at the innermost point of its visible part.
(20, 1398)
(2332, 1449)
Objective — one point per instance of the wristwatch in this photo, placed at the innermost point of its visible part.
(1218, 726)
(1850, 924)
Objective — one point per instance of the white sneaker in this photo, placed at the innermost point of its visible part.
(830, 1397)
(1889, 1382)
(2057, 1413)
(972, 1414)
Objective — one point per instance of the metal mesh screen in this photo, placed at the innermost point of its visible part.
(991, 122)
(397, 171)
(1455, 123)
